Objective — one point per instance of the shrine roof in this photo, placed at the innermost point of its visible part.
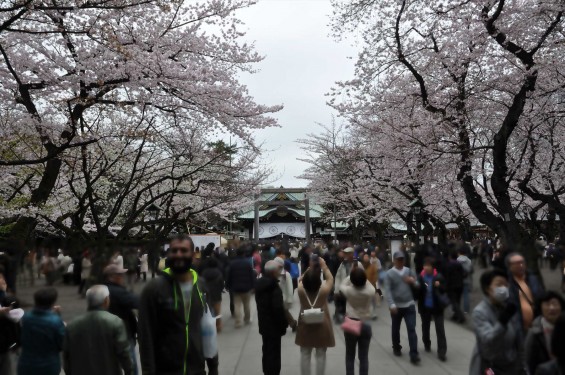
(278, 199)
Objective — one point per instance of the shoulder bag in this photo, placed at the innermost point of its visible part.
(312, 315)
(352, 326)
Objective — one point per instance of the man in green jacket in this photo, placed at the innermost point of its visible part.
(96, 342)
(170, 313)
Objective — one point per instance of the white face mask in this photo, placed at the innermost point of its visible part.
(501, 293)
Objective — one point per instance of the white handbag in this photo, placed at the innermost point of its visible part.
(313, 315)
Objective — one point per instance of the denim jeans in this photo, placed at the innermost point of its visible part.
(362, 342)
(409, 316)
(466, 293)
(133, 356)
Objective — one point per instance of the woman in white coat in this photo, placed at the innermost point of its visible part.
(86, 265)
(144, 265)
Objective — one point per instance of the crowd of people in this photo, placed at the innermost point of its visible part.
(59, 265)
(518, 324)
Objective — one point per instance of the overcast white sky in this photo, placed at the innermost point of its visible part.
(301, 64)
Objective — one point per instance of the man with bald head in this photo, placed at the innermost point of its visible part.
(524, 288)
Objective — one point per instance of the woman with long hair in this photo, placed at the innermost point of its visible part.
(313, 294)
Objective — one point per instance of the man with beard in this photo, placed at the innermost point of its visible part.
(170, 313)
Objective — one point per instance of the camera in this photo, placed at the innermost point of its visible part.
(314, 260)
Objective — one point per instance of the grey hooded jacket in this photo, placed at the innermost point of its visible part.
(498, 346)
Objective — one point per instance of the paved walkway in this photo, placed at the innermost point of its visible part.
(240, 350)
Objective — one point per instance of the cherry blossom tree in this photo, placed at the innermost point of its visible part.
(541, 177)
(67, 67)
(477, 71)
(370, 177)
(108, 187)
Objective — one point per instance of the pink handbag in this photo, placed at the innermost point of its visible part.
(352, 326)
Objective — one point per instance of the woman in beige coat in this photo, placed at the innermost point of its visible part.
(313, 294)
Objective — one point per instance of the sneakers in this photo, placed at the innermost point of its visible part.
(415, 360)
(397, 352)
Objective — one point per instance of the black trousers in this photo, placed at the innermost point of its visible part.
(361, 345)
(427, 316)
(81, 286)
(212, 364)
(455, 299)
(231, 303)
(271, 355)
(340, 304)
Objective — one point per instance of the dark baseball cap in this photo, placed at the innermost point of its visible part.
(399, 254)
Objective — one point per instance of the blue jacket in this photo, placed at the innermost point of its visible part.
(438, 307)
(42, 340)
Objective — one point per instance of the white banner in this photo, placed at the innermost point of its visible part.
(202, 240)
(395, 246)
(298, 230)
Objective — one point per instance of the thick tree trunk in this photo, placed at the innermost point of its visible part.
(427, 230)
(440, 232)
(517, 238)
(24, 226)
(551, 229)
(465, 230)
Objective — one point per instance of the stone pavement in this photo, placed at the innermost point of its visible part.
(240, 350)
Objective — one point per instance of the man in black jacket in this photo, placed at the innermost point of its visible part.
(431, 303)
(170, 313)
(240, 281)
(454, 277)
(272, 317)
(122, 304)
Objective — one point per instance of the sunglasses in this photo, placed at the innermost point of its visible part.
(175, 250)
